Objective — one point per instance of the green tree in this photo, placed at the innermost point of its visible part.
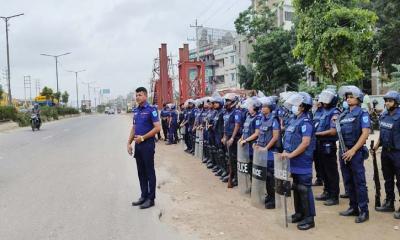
(65, 97)
(252, 23)
(395, 75)
(47, 92)
(57, 95)
(330, 36)
(1, 92)
(246, 76)
(275, 65)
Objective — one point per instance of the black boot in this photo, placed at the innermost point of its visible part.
(298, 216)
(387, 206)
(345, 195)
(396, 214)
(363, 217)
(323, 197)
(318, 182)
(350, 212)
(332, 201)
(308, 221)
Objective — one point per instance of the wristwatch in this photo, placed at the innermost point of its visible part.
(141, 138)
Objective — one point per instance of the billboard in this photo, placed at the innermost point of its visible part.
(105, 91)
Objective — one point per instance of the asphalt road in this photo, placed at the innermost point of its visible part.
(73, 180)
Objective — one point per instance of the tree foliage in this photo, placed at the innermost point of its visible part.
(330, 34)
(47, 92)
(246, 76)
(1, 92)
(395, 84)
(65, 97)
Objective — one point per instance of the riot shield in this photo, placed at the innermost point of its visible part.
(259, 177)
(244, 169)
(201, 144)
(283, 203)
(196, 145)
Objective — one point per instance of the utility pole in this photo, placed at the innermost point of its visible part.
(56, 58)
(88, 84)
(196, 26)
(27, 85)
(37, 87)
(95, 95)
(76, 83)
(6, 19)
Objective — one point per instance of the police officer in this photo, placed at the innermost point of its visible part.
(172, 124)
(145, 126)
(270, 139)
(206, 116)
(218, 149)
(326, 147)
(317, 159)
(164, 121)
(188, 123)
(232, 122)
(251, 125)
(354, 130)
(389, 139)
(298, 147)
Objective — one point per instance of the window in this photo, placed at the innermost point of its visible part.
(232, 59)
(288, 16)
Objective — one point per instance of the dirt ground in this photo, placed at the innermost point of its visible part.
(197, 204)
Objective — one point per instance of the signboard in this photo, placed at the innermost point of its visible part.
(105, 91)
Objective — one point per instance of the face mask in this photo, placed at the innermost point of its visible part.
(295, 110)
(345, 105)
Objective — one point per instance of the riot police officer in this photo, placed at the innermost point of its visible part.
(207, 115)
(232, 125)
(389, 139)
(317, 160)
(146, 124)
(164, 121)
(188, 123)
(326, 147)
(298, 148)
(270, 139)
(353, 133)
(218, 149)
(172, 124)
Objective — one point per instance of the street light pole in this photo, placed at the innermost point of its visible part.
(88, 83)
(76, 83)
(6, 19)
(56, 58)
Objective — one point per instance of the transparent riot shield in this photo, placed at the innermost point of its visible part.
(182, 141)
(283, 201)
(244, 169)
(259, 177)
(196, 145)
(201, 144)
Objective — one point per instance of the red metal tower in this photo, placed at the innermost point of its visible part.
(192, 82)
(162, 83)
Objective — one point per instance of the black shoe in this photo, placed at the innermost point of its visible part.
(297, 217)
(188, 150)
(318, 182)
(364, 216)
(349, 212)
(225, 179)
(139, 202)
(396, 215)
(306, 224)
(270, 205)
(323, 197)
(205, 160)
(345, 195)
(223, 174)
(387, 206)
(218, 173)
(215, 169)
(147, 204)
(168, 143)
(331, 202)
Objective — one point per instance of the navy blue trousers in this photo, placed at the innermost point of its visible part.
(144, 154)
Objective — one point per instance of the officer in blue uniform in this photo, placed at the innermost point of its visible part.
(172, 124)
(317, 159)
(188, 123)
(389, 139)
(232, 129)
(269, 139)
(252, 121)
(164, 121)
(326, 147)
(355, 126)
(217, 127)
(206, 114)
(146, 125)
(298, 147)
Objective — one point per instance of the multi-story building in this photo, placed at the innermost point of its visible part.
(226, 70)
(284, 11)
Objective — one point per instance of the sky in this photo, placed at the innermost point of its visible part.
(116, 41)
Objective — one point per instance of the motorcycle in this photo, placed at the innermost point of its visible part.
(35, 122)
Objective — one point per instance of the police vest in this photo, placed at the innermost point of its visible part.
(266, 133)
(294, 137)
(317, 117)
(218, 121)
(325, 124)
(390, 130)
(350, 123)
(249, 126)
(229, 122)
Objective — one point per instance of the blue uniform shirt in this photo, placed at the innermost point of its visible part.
(144, 118)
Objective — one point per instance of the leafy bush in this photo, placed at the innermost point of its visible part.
(23, 119)
(66, 111)
(8, 113)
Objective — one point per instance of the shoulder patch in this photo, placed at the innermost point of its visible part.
(154, 113)
(365, 119)
(258, 122)
(236, 117)
(303, 128)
